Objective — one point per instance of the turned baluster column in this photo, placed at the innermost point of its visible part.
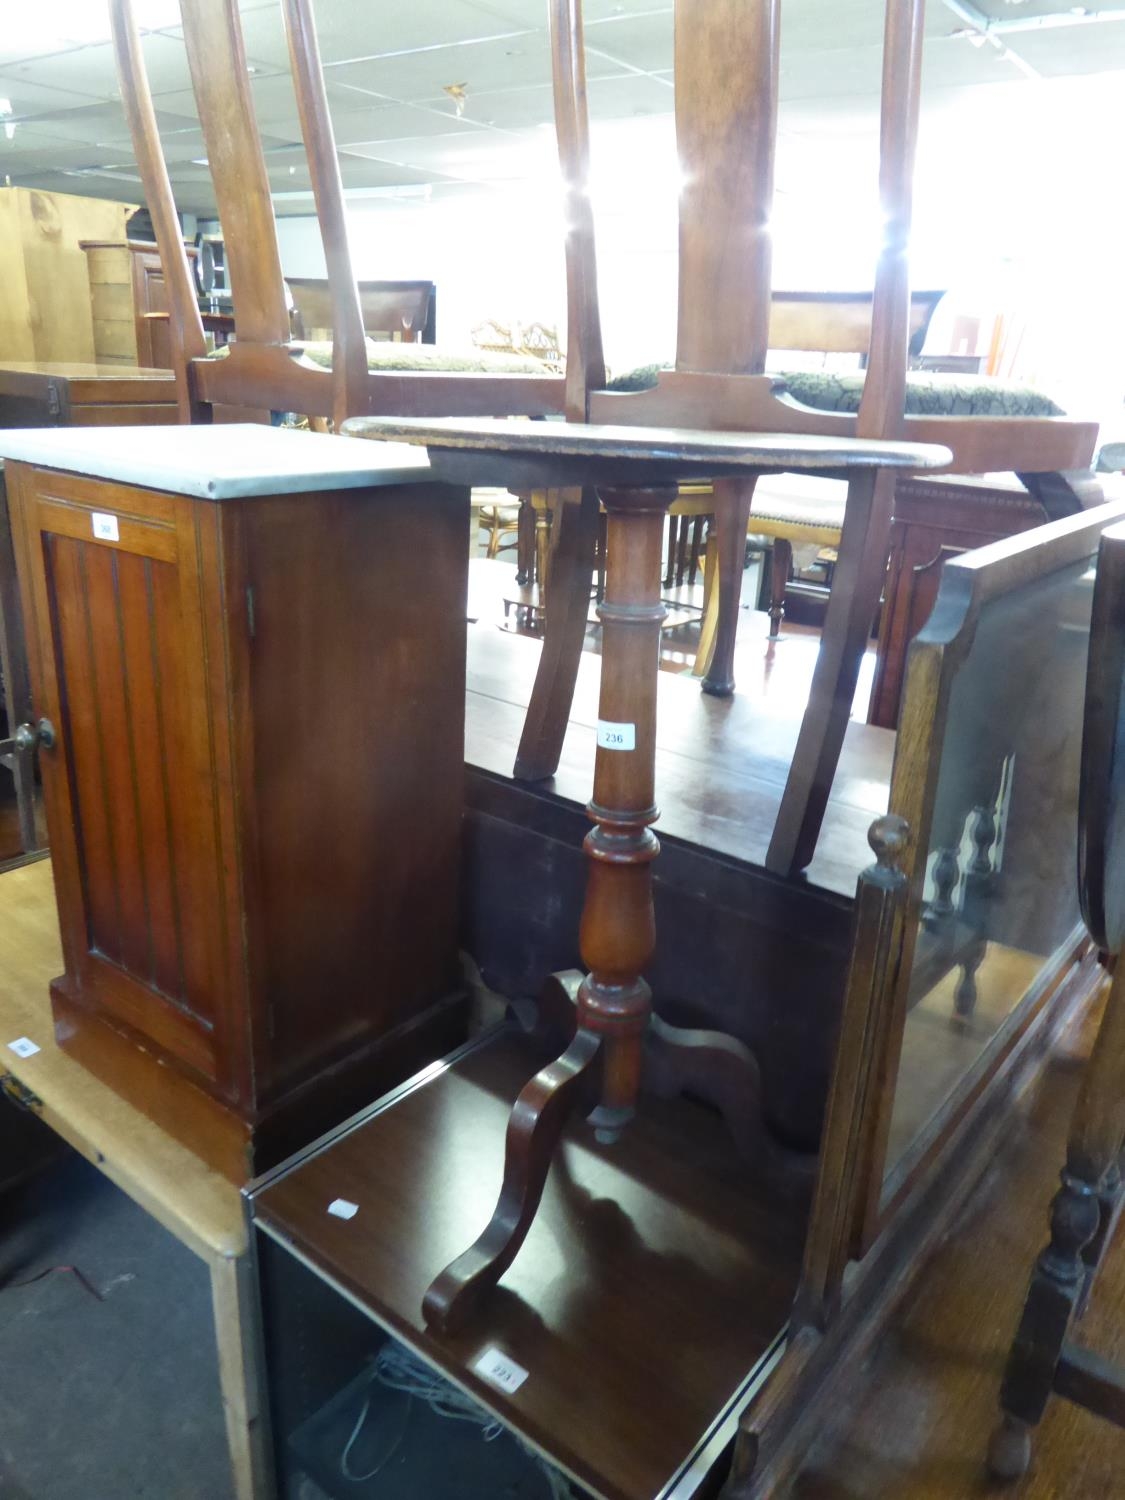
(618, 931)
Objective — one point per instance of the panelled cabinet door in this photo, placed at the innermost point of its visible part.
(128, 645)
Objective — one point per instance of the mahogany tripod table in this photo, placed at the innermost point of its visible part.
(617, 1039)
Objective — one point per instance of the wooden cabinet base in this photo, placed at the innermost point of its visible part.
(237, 1147)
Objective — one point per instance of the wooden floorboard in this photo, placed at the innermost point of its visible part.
(921, 1425)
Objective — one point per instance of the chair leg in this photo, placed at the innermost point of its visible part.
(1038, 1361)
(696, 544)
(564, 628)
(543, 524)
(709, 619)
(780, 568)
(732, 516)
(525, 541)
(860, 570)
(681, 550)
(670, 569)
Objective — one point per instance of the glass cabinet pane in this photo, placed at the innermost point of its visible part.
(999, 895)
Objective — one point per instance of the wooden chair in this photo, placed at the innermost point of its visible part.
(813, 513)
(399, 311)
(726, 89)
(265, 368)
(1043, 1359)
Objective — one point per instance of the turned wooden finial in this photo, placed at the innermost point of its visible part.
(888, 837)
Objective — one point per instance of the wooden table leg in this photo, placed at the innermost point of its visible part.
(232, 1298)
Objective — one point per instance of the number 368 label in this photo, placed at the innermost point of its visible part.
(616, 736)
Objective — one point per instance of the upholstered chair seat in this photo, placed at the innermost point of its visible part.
(927, 393)
(389, 356)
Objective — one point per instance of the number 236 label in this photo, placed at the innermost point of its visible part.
(501, 1371)
(616, 736)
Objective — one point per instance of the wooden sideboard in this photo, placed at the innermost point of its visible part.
(45, 309)
(936, 518)
(252, 654)
(85, 395)
(129, 302)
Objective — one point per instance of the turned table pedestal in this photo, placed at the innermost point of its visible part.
(617, 1040)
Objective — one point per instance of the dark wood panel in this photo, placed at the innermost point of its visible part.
(80, 725)
(148, 752)
(117, 765)
(383, 691)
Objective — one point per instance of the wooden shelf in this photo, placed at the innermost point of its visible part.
(652, 1288)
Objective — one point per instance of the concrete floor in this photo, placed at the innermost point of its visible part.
(115, 1399)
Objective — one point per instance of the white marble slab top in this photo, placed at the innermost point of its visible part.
(229, 461)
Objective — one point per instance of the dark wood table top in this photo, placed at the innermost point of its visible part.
(506, 451)
(653, 1285)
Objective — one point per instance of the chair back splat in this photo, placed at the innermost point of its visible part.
(726, 103)
(884, 389)
(726, 126)
(265, 367)
(349, 344)
(585, 361)
(217, 58)
(185, 322)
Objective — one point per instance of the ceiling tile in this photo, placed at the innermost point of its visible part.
(485, 156)
(534, 12)
(31, 99)
(46, 154)
(348, 29)
(93, 71)
(95, 122)
(643, 41)
(1084, 49)
(355, 171)
(1002, 10)
(274, 100)
(124, 191)
(392, 121)
(510, 62)
(627, 95)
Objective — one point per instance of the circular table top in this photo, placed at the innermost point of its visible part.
(472, 449)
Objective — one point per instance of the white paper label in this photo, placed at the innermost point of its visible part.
(105, 527)
(501, 1371)
(616, 736)
(340, 1208)
(23, 1046)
